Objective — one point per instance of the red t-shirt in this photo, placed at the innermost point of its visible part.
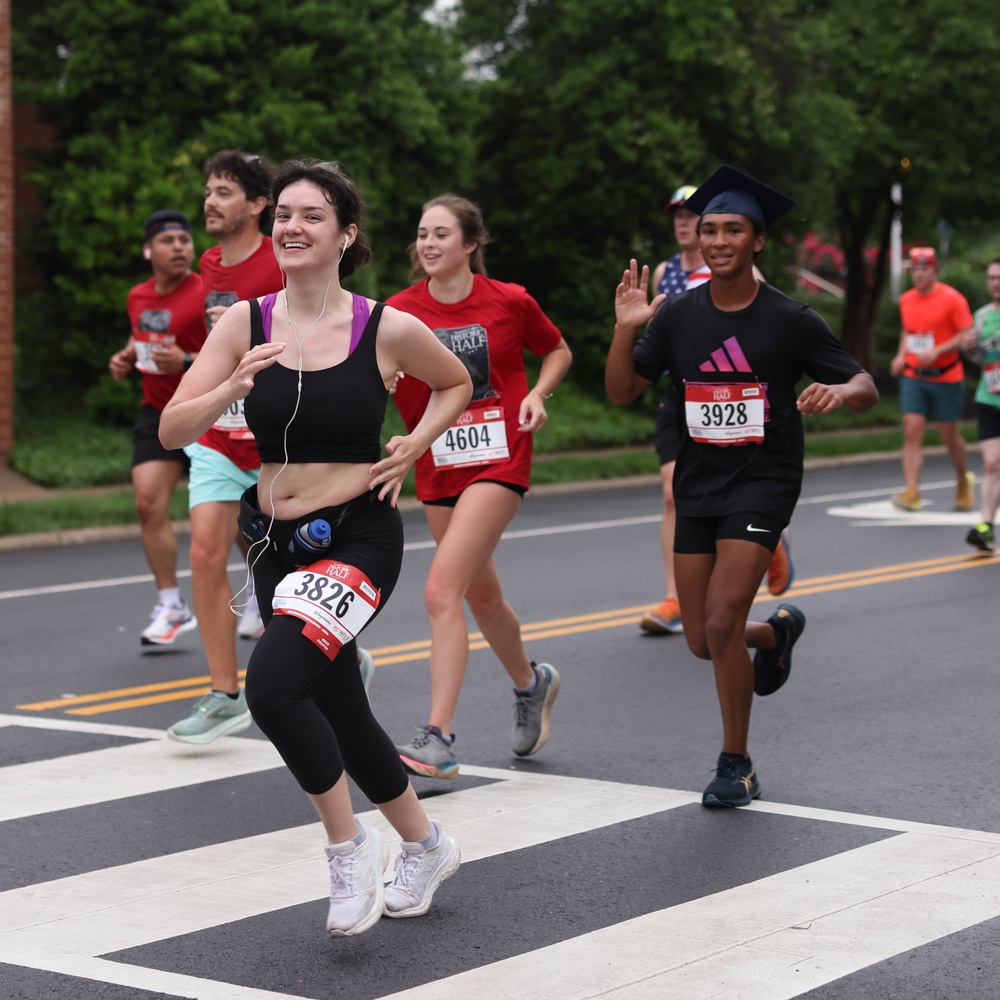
(224, 286)
(174, 318)
(489, 330)
(932, 319)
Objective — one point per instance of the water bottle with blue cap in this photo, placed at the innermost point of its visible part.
(313, 536)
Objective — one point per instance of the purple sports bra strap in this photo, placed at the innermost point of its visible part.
(266, 308)
(361, 312)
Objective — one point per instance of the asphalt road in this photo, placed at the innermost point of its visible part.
(870, 868)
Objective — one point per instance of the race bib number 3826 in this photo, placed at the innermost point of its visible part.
(725, 413)
(335, 600)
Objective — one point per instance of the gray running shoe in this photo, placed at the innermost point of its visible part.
(214, 715)
(356, 886)
(418, 873)
(428, 755)
(532, 710)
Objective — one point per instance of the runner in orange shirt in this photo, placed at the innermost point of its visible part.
(935, 321)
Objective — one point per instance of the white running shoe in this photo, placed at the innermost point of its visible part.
(167, 624)
(250, 625)
(356, 887)
(367, 667)
(419, 873)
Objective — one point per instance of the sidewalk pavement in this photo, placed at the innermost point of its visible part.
(14, 487)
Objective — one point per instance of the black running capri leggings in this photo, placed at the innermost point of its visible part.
(312, 709)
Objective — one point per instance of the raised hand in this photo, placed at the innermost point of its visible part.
(632, 308)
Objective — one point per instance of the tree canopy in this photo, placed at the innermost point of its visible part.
(570, 121)
(143, 95)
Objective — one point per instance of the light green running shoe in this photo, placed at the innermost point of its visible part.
(367, 667)
(214, 715)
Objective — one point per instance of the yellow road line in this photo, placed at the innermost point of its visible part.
(82, 699)
(410, 652)
(160, 699)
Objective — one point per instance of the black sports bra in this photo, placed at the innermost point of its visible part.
(341, 409)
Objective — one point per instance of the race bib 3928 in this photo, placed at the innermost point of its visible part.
(725, 413)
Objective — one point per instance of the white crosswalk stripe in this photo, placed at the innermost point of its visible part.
(787, 933)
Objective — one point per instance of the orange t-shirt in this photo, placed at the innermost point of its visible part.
(929, 320)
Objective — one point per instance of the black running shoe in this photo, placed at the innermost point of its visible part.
(771, 667)
(735, 783)
(981, 537)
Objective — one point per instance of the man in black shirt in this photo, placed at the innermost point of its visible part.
(736, 348)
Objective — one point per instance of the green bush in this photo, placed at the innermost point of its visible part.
(74, 454)
(114, 403)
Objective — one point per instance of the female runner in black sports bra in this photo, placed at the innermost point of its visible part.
(326, 538)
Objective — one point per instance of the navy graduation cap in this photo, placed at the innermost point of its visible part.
(731, 192)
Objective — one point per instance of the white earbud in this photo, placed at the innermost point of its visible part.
(147, 253)
(347, 243)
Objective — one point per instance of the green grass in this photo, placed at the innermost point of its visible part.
(72, 510)
(586, 439)
(834, 444)
(74, 454)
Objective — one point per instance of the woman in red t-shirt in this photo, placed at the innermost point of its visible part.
(472, 479)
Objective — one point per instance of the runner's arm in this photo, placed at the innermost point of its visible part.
(222, 373)
(857, 394)
(123, 361)
(554, 366)
(956, 343)
(406, 344)
(632, 311)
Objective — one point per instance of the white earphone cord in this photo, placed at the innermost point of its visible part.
(237, 609)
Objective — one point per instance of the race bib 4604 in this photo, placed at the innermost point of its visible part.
(335, 600)
(478, 437)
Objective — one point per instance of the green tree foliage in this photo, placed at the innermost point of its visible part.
(145, 93)
(898, 92)
(595, 109)
(570, 121)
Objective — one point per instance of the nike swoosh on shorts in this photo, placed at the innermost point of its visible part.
(766, 531)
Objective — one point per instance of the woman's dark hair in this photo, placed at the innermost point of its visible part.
(470, 221)
(340, 192)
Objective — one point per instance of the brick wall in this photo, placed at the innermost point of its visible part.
(6, 237)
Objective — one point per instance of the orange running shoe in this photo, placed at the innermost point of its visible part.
(781, 570)
(663, 620)
(907, 500)
(965, 495)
